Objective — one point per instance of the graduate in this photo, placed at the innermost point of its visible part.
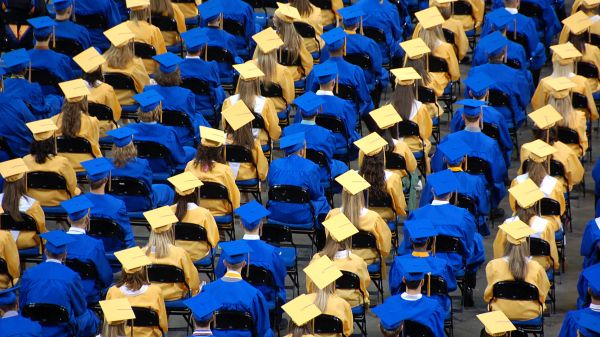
(186, 209)
(330, 16)
(461, 42)
(11, 322)
(411, 305)
(189, 11)
(165, 9)
(105, 206)
(135, 287)
(144, 31)
(586, 277)
(589, 326)
(241, 12)
(312, 15)
(515, 53)
(348, 73)
(67, 29)
(576, 30)
(572, 322)
(116, 314)
(10, 254)
(54, 283)
(297, 59)
(233, 293)
(589, 243)
(14, 201)
(295, 169)
(302, 313)
(108, 9)
(43, 157)
(384, 16)
(203, 307)
(263, 254)
(14, 114)
(496, 324)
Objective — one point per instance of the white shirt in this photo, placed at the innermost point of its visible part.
(54, 261)
(595, 307)
(439, 202)
(128, 292)
(76, 231)
(512, 11)
(409, 297)
(10, 313)
(342, 254)
(251, 237)
(325, 93)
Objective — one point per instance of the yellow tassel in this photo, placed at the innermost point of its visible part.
(429, 284)
(433, 246)
(206, 52)
(337, 81)
(53, 37)
(361, 26)
(29, 71)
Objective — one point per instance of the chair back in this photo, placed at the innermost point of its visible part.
(4, 269)
(478, 166)
(466, 202)
(364, 240)
(319, 158)
(164, 23)
(92, 21)
(497, 98)
(491, 130)
(530, 9)
(448, 244)
(219, 54)
(384, 202)
(144, 50)
(127, 186)
(233, 320)
(5, 148)
(394, 161)
(437, 64)
(190, 232)
(238, 154)
(46, 313)
(68, 47)
(276, 234)
(305, 30)
(284, 58)
(322, 4)
(27, 223)
(332, 123)
(327, 324)
(448, 36)
(119, 81)
(166, 273)
(568, 135)
(258, 276)
(44, 77)
(105, 228)
(289, 194)
(515, 291)
(519, 38)
(374, 33)
(197, 86)
(176, 118)
(347, 92)
(408, 128)
(86, 270)
(549, 207)
(595, 39)
(271, 90)
(233, 27)
(539, 247)
(258, 122)
(360, 59)
(426, 95)
(436, 285)
(100, 111)
(145, 317)
(74, 145)
(462, 7)
(415, 329)
(348, 281)
(579, 101)
(213, 190)
(513, 63)
(47, 181)
(153, 151)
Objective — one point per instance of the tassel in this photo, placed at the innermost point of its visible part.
(248, 266)
(515, 31)
(467, 163)
(206, 52)
(221, 21)
(53, 37)
(429, 284)
(433, 246)
(404, 61)
(361, 26)
(337, 81)
(29, 71)
(109, 180)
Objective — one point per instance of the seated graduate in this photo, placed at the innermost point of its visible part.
(52, 282)
(43, 157)
(203, 307)
(496, 324)
(233, 293)
(310, 14)
(12, 323)
(295, 169)
(127, 164)
(263, 254)
(105, 206)
(15, 201)
(116, 314)
(161, 249)
(242, 13)
(590, 240)
(86, 249)
(166, 9)
(10, 254)
(572, 322)
(516, 265)
(422, 234)
(323, 273)
(186, 209)
(516, 55)
(137, 289)
(144, 31)
(66, 29)
(109, 10)
(583, 284)
(14, 114)
(302, 312)
(589, 326)
(386, 17)
(411, 305)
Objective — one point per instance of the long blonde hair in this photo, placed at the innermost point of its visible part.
(122, 155)
(138, 15)
(352, 205)
(432, 36)
(161, 242)
(323, 296)
(564, 107)
(518, 256)
(248, 91)
(562, 70)
(113, 330)
(291, 39)
(267, 62)
(119, 57)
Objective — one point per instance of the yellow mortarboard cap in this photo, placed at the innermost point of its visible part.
(301, 309)
(117, 311)
(405, 76)
(386, 116)
(566, 52)
(539, 150)
(322, 272)
(42, 129)
(248, 71)
(13, 170)
(74, 90)
(590, 3)
(352, 182)
(496, 323)
(415, 48)
(578, 22)
(545, 117)
(119, 35)
(212, 137)
(443, 2)
(161, 219)
(287, 12)
(89, 59)
(430, 17)
(559, 86)
(133, 259)
(371, 144)
(340, 228)
(185, 183)
(137, 4)
(526, 193)
(238, 115)
(268, 40)
(516, 231)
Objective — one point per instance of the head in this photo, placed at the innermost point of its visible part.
(237, 267)
(413, 286)
(13, 191)
(498, 58)
(139, 14)
(267, 63)
(329, 86)
(150, 116)
(594, 297)
(291, 39)
(64, 14)
(161, 243)
(403, 98)
(352, 205)
(93, 77)
(242, 136)
(537, 171)
(42, 40)
(98, 185)
(525, 214)
(62, 256)
(43, 149)
(206, 156)
(472, 120)
(332, 246)
(181, 202)
(561, 69)
(14, 306)
(135, 280)
(161, 7)
(70, 123)
(216, 22)
(420, 246)
(419, 66)
(432, 36)
(390, 333)
(373, 171)
(122, 155)
(517, 259)
(512, 3)
(304, 7)
(171, 79)
(82, 223)
(299, 331)
(119, 57)
(202, 324)
(248, 91)
(442, 197)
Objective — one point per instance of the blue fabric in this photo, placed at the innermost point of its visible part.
(57, 64)
(108, 9)
(29, 252)
(207, 260)
(425, 311)
(288, 256)
(107, 206)
(383, 15)
(54, 210)
(589, 243)
(547, 26)
(221, 38)
(358, 310)
(208, 72)
(13, 117)
(374, 268)
(571, 322)
(224, 219)
(19, 326)
(41, 106)
(69, 30)
(514, 51)
(531, 322)
(249, 182)
(240, 11)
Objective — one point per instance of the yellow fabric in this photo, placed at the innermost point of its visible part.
(401, 148)
(573, 167)
(592, 55)
(329, 16)
(201, 217)
(29, 239)
(105, 94)
(137, 71)
(147, 33)
(10, 254)
(57, 164)
(189, 10)
(498, 270)
(178, 257)
(221, 173)
(338, 307)
(564, 33)
(393, 186)
(556, 194)
(283, 77)
(248, 171)
(541, 95)
(314, 19)
(461, 42)
(439, 81)
(172, 38)
(153, 299)
(423, 119)
(89, 130)
(475, 19)
(268, 114)
(577, 122)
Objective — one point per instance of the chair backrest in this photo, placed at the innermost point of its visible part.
(497, 98)
(530, 9)
(233, 320)
(46, 313)
(579, 101)
(478, 166)
(44, 77)
(347, 92)
(549, 207)
(513, 63)
(328, 324)
(289, 194)
(73, 145)
(92, 21)
(152, 150)
(219, 54)
(360, 59)
(491, 130)
(568, 135)
(119, 81)
(394, 161)
(448, 244)
(197, 86)
(258, 122)
(448, 36)
(305, 29)
(437, 64)
(466, 202)
(516, 291)
(374, 33)
(5, 148)
(190, 232)
(323, 4)
(68, 47)
(86, 270)
(271, 90)
(364, 240)
(27, 223)
(100, 111)
(145, 317)
(4, 268)
(348, 281)
(557, 169)
(238, 154)
(539, 247)
(276, 234)
(166, 273)
(462, 7)
(408, 128)
(426, 95)
(435, 285)
(127, 186)
(164, 23)
(415, 329)
(213, 190)
(105, 228)
(318, 158)
(258, 276)
(176, 118)
(519, 38)
(285, 58)
(332, 123)
(233, 27)
(385, 201)
(144, 50)
(594, 39)
(46, 181)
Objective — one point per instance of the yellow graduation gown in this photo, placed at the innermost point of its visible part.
(220, 173)
(475, 19)
(89, 130)
(439, 80)
(573, 167)
(10, 254)
(542, 92)
(461, 42)
(401, 148)
(550, 186)
(178, 257)
(284, 78)
(247, 171)
(420, 115)
(29, 239)
(264, 107)
(189, 10)
(199, 216)
(498, 270)
(330, 16)
(105, 94)
(172, 38)
(147, 33)
(393, 185)
(57, 164)
(338, 307)
(592, 55)
(137, 71)
(149, 296)
(315, 20)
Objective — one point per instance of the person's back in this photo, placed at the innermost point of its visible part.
(109, 11)
(220, 38)
(10, 254)
(69, 30)
(318, 139)
(89, 130)
(179, 258)
(40, 105)
(337, 107)
(338, 307)
(57, 64)
(55, 164)
(13, 117)
(148, 296)
(163, 135)
(590, 240)
(196, 67)
(222, 174)
(514, 51)
(241, 12)
(17, 325)
(384, 16)
(108, 207)
(148, 33)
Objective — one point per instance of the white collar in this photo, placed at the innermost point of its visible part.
(191, 206)
(595, 307)
(342, 254)
(597, 220)
(13, 313)
(192, 57)
(251, 237)
(410, 297)
(128, 292)
(364, 211)
(439, 202)
(54, 261)
(305, 122)
(472, 128)
(325, 93)
(512, 11)
(76, 231)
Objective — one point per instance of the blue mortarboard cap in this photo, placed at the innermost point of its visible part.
(478, 83)
(500, 19)
(390, 315)
(414, 269)
(97, 169)
(235, 251)
(293, 142)
(57, 241)
(251, 214)
(42, 25)
(326, 72)
(454, 151)
(202, 306)
(309, 104)
(420, 230)
(148, 100)
(122, 136)
(194, 39)
(2, 71)
(472, 107)
(496, 44)
(592, 275)
(351, 15)
(8, 296)
(588, 323)
(15, 60)
(334, 39)
(60, 5)
(443, 182)
(167, 62)
(77, 207)
(209, 10)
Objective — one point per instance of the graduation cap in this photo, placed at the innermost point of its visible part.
(42, 26)
(560, 86)
(238, 115)
(203, 306)
(251, 214)
(516, 231)
(56, 241)
(496, 323)
(309, 104)
(340, 228)
(443, 182)
(98, 168)
(588, 324)
(578, 23)
(185, 183)
(119, 35)
(287, 13)
(61, 5)
(167, 62)
(545, 117)
(248, 71)
(132, 259)
(89, 60)
(496, 45)
(405, 76)
(430, 17)
(117, 311)
(210, 10)
(301, 309)
(539, 150)
(351, 16)
(267, 40)
(390, 315)
(292, 143)
(590, 3)
(137, 4)
(501, 20)
(352, 182)
(15, 61)
(527, 193)
(326, 72)
(322, 272)
(211, 137)
(75, 90)
(148, 100)
(334, 39)
(415, 48)
(42, 129)
(592, 275)
(473, 107)
(565, 53)
(161, 219)
(479, 83)
(420, 230)
(194, 39)
(386, 116)
(13, 170)
(235, 252)
(454, 151)
(8, 296)
(121, 136)
(414, 269)
(77, 207)
(372, 144)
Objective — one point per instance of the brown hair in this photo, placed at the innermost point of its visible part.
(13, 191)
(303, 6)
(94, 185)
(181, 202)
(248, 91)
(419, 66)
(150, 116)
(119, 57)
(133, 281)
(292, 41)
(70, 119)
(171, 79)
(93, 77)
(352, 205)
(206, 156)
(373, 171)
(537, 171)
(299, 331)
(162, 8)
(517, 259)
(122, 155)
(137, 15)
(267, 62)
(113, 330)
(403, 99)
(242, 136)
(43, 149)
(525, 214)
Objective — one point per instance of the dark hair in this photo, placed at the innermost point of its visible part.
(133, 281)
(70, 119)
(413, 285)
(420, 244)
(390, 333)
(471, 119)
(13, 191)
(541, 134)
(403, 99)
(419, 66)
(373, 171)
(206, 156)
(578, 41)
(181, 202)
(171, 79)
(242, 136)
(93, 76)
(98, 183)
(497, 59)
(525, 214)
(42, 149)
(42, 38)
(303, 6)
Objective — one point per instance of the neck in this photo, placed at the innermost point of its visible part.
(255, 231)
(42, 45)
(238, 270)
(310, 119)
(64, 17)
(472, 124)
(595, 302)
(422, 249)
(413, 291)
(99, 190)
(337, 53)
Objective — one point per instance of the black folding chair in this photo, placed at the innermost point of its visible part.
(145, 318)
(282, 238)
(26, 224)
(102, 112)
(291, 194)
(407, 128)
(260, 277)
(551, 207)
(106, 229)
(211, 190)
(308, 32)
(226, 320)
(395, 161)
(519, 291)
(67, 47)
(222, 55)
(415, 329)
(259, 123)
(4, 271)
(325, 324)
(233, 27)
(274, 90)
(466, 202)
(47, 314)
(449, 36)
(45, 77)
(439, 65)
(75, 145)
(427, 96)
(514, 63)
(86, 270)
(240, 154)
(156, 152)
(202, 88)
(321, 160)
(121, 187)
(49, 181)
(491, 130)
(322, 4)
(176, 118)
(451, 245)
(195, 233)
(166, 273)
(167, 24)
(541, 248)
(569, 136)
(378, 35)
(351, 281)
(587, 70)
(122, 82)
(384, 201)
(335, 125)
(91, 21)
(366, 240)
(144, 50)
(498, 98)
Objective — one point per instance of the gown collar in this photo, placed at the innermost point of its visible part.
(202, 332)
(251, 237)
(230, 274)
(342, 254)
(54, 261)
(13, 313)
(420, 254)
(439, 202)
(595, 307)
(409, 297)
(325, 93)
(76, 231)
(512, 11)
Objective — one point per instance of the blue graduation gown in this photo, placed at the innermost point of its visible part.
(108, 9)
(237, 294)
(425, 311)
(548, 25)
(56, 63)
(351, 75)
(69, 30)
(297, 171)
(240, 11)
(195, 67)
(54, 283)
(19, 326)
(570, 324)
(221, 38)
(514, 51)
(383, 15)
(266, 256)
(596, 177)
(589, 243)
(108, 207)
(13, 117)
(31, 93)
